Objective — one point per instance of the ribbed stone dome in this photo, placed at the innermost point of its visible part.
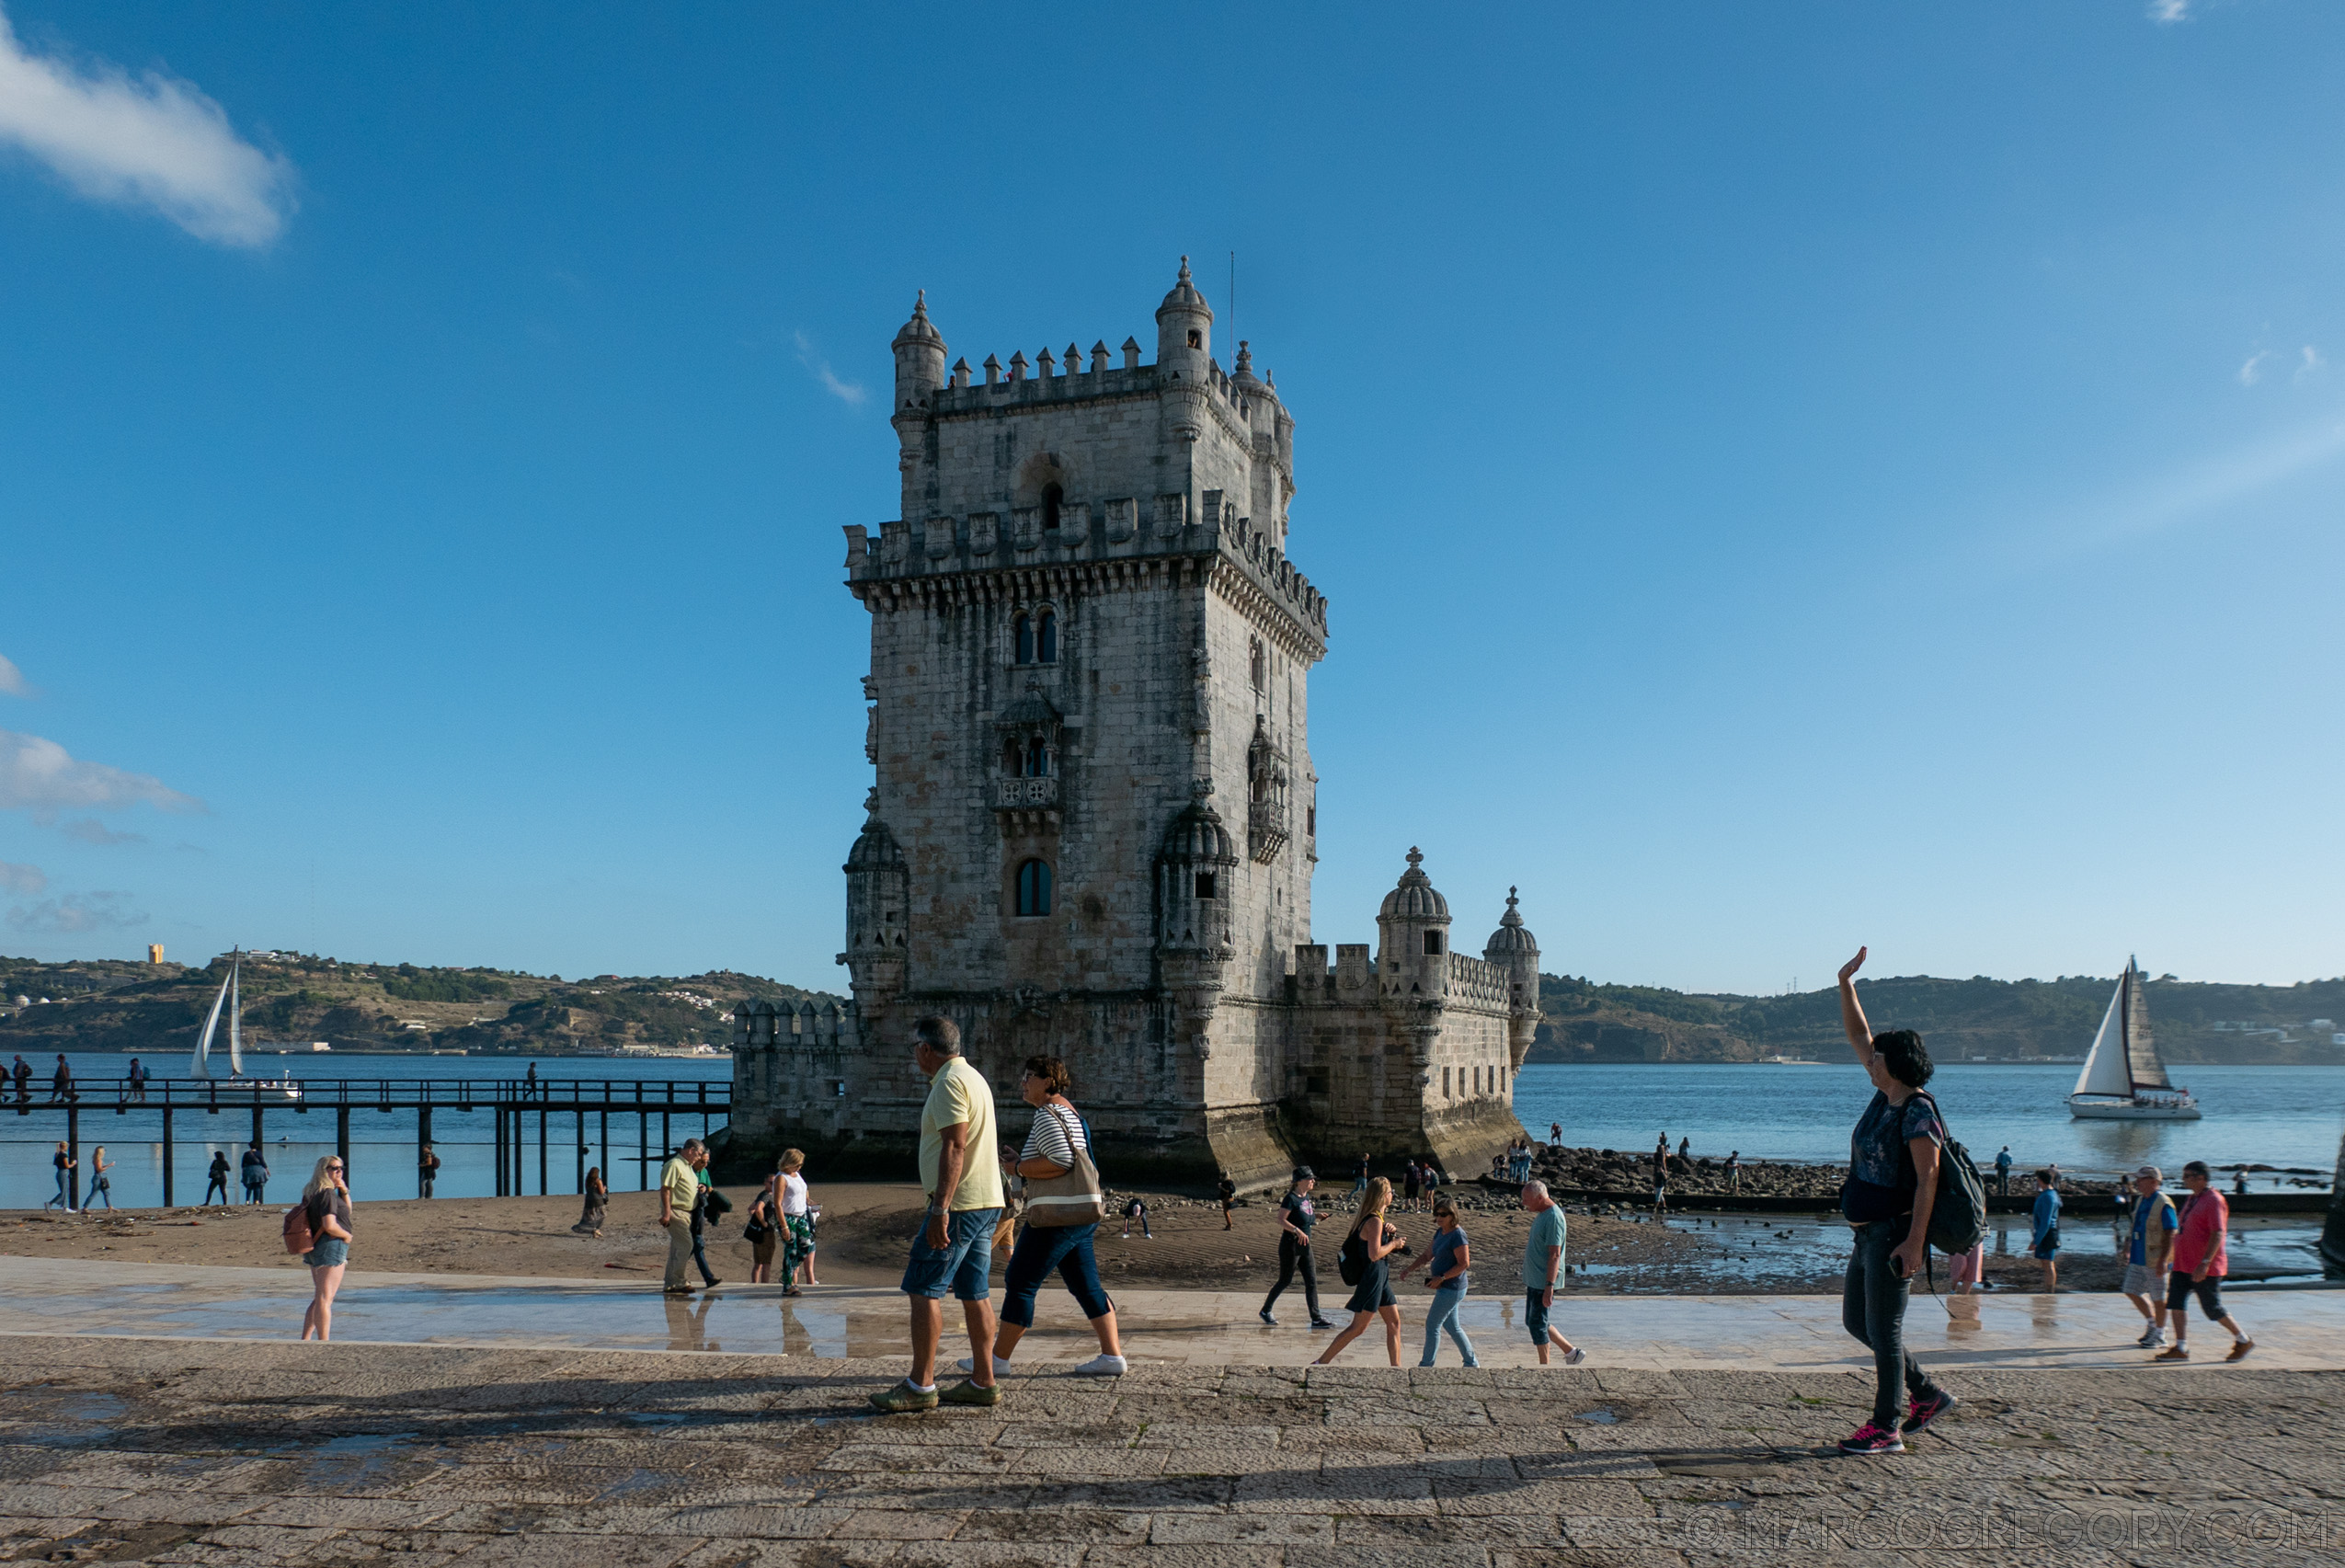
(1415, 898)
(1184, 297)
(1197, 836)
(920, 329)
(874, 846)
(1512, 936)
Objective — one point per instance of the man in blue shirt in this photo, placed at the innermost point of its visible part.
(2003, 1171)
(2047, 1228)
(2151, 1255)
(1543, 1273)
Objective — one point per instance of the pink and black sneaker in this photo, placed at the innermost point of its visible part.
(1925, 1411)
(1871, 1439)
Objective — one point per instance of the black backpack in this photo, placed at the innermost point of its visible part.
(1352, 1261)
(1958, 1218)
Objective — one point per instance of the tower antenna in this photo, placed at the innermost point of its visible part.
(1233, 297)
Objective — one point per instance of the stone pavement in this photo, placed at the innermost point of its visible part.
(120, 1449)
(2294, 1329)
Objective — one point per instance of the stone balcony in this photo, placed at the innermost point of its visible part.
(1026, 795)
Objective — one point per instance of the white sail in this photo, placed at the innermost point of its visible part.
(2105, 1071)
(236, 1017)
(196, 1069)
(2141, 1061)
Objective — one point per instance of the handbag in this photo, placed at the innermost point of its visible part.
(1074, 1196)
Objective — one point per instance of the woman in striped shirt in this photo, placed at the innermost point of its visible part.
(1050, 1149)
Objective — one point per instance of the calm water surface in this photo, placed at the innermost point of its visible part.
(2278, 1116)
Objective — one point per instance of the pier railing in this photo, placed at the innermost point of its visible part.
(509, 1101)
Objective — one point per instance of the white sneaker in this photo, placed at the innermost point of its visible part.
(1102, 1366)
(2152, 1337)
(968, 1364)
(1573, 1357)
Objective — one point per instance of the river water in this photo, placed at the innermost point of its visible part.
(2273, 1116)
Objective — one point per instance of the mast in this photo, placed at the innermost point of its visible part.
(235, 1015)
(2125, 1026)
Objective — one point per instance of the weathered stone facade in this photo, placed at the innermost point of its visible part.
(1095, 820)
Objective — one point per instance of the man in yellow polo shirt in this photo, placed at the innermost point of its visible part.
(954, 1251)
(679, 1190)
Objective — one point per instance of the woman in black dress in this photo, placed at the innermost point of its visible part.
(1373, 1242)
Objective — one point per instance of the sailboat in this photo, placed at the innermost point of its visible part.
(2123, 1080)
(232, 999)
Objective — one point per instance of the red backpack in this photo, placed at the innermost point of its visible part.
(299, 1237)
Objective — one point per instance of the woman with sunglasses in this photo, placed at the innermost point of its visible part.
(1445, 1264)
(326, 1198)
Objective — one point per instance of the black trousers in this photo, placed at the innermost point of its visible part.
(1294, 1258)
(1872, 1309)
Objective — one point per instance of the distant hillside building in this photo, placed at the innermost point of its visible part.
(1095, 821)
(155, 952)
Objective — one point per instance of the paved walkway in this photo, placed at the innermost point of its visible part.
(262, 1455)
(2294, 1329)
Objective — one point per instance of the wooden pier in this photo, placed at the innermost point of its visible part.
(508, 1102)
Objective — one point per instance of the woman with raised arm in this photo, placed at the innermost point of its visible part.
(1893, 1182)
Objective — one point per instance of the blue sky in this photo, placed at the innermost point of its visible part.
(1786, 476)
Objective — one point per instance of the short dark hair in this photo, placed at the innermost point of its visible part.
(2044, 1176)
(939, 1034)
(1052, 1072)
(1907, 1057)
(2199, 1166)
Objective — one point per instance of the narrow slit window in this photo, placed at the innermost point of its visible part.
(1033, 887)
(1037, 759)
(1432, 943)
(1047, 638)
(1053, 497)
(1026, 640)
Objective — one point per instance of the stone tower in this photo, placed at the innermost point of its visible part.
(1093, 821)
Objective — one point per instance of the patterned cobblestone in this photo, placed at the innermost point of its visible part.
(123, 1451)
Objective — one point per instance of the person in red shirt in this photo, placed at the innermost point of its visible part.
(2199, 1263)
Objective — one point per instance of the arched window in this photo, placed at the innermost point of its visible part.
(1258, 672)
(1012, 757)
(1037, 763)
(1046, 638)
(1052, 497)
(1026, 640)
(1033, 887)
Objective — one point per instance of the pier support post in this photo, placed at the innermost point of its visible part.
(342, 1137)
(423, 1141)
(166, 1155)
(642, 1144)
(257, 1135)
(541, 1116)
(581, 1142)
(74, 1153)
(607, 1172)
(497, 1121)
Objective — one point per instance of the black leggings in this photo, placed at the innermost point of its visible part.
(1872, 1309)
(1293, 1258)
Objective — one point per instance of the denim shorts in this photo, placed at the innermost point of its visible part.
(962, 1268)
(1535, 1315)
(328, 1252)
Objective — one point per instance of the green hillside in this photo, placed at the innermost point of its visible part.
(105, 1005)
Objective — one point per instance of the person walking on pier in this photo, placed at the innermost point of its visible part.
(65, 1162)
(2199, 1263)
(1543, 1274)
(529, 1084)
(1371, 1244)
(1295, 1218)
(326, 1198)
(99, 1185)
(137, 1076)
(1057, 1145)
(61, 1086)
(21, 1076)
(679, 1196)
(1892, 1186)
(952, 1250)
(219, 1175)
(795, 1220)
(2149, 1256)
(1445, 1262)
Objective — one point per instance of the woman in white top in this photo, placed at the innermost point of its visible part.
(797, 1224)
(1050, 1148)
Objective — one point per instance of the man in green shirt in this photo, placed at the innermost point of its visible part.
(679, 1190)
(1543, 1271)
(954, 1251)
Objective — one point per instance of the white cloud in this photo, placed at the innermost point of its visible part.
(2189, 495)
(152, 141)
(849, 393)
(90, 830)
(2309, 363)
(24, 879)
(76, 913)
(2252, 372)
(12, 679)
(2165, 13)
(38, 776)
